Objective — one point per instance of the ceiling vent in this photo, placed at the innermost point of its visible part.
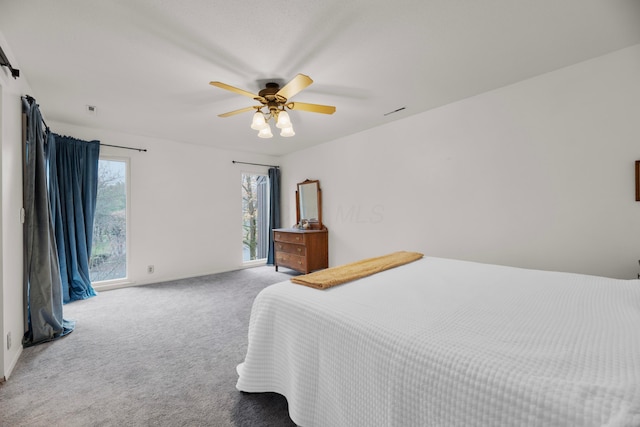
(394, 111)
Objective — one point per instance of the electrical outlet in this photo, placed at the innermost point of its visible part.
(150, 269)
(9, 341)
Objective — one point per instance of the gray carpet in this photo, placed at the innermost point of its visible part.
(154, 355)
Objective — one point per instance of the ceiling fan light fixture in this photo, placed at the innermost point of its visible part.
(274, 99)
(284, 121)
(287, 132)
(258, 122)
(265, 132)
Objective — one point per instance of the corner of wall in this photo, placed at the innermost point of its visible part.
(3, 375)
(11, 260)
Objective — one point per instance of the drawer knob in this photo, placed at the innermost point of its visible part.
(297, 238)
(299, 249)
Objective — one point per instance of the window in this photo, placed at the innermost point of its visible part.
(109, 249)
(255, 217)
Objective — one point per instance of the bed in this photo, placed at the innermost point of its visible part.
(441, 342)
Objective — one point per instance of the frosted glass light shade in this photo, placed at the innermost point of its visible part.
(258, 122)
(265, 132)
(283, 120)
(287, 132)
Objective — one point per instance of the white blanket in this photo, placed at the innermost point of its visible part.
(440, 342)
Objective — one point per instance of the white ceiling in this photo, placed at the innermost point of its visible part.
(146, 64)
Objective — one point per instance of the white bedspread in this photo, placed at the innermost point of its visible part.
(441, 342)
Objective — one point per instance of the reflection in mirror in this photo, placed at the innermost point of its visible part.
(308, 201)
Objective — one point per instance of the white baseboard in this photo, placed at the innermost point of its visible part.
(13, 364)
(125, 284)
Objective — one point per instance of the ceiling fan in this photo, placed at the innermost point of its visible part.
(276, 101)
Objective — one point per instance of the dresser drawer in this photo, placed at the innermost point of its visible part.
(289, 237)
(295, 262)
(291, 248)
(301, 250)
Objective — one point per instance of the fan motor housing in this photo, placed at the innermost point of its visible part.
(270, 91)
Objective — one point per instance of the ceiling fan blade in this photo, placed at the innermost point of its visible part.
(296, 84)
(233, 113)
(314, 108)
(234, 89)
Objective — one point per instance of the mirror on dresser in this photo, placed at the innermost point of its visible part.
(305, 246)
(309, 205)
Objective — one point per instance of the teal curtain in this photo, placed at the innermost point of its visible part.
(274, 209)
(42, 282)
(73, 186)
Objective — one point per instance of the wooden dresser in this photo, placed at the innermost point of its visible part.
(301, 250)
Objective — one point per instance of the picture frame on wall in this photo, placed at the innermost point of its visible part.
(637, 180)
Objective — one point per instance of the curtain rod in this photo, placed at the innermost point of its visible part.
(126, 148)
(255, 164)
(31, 100)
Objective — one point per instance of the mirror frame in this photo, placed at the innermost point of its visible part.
(313, 225)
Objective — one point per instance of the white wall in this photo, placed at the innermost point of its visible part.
(11, 300)
(539, 174)
(186, 206)
(2, 367)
